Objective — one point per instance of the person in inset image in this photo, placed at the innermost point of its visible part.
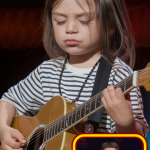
(82, 144)
(110, 146)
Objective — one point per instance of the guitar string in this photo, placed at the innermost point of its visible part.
(142, 73)
(79, 105)
(144, 70)
(53, 124)
(145, 77)
(69, 114)
(57, 121)
(62, 117)
(57, 133)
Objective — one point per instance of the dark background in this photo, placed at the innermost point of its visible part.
(21, 47)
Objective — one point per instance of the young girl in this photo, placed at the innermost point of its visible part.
(76, 35)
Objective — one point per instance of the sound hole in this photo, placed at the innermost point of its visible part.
(36, 140)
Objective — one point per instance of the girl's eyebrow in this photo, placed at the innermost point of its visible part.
(79, 14)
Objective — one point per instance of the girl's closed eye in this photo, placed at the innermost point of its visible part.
(85, 22)
(61, 23)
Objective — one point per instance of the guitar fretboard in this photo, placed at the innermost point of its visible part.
(82, 111)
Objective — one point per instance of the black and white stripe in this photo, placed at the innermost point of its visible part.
(32, 93)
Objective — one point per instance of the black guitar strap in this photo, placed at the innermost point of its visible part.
(101, 82)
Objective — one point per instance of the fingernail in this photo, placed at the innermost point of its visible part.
(24, 141)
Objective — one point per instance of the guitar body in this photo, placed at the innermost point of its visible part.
(52, 110)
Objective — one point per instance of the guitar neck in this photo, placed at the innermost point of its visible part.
(84, 110)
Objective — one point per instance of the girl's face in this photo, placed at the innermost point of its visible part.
(76, 33)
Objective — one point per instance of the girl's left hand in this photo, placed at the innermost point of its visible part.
(119, 109)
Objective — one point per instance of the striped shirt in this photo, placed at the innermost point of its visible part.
(32, 93)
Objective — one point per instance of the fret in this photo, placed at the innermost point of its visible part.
(93, 105)
(56, 129)
(46, 132)
(126, 83)
(122, 86)
(47, 135)
(98, 102)
(62, 124)
(70, 120)
(82, 111)
(49, 132)
(90, 106)
(58, 126)
(78, 115)
(73, 117)
(87, 109)
(44, 139)
(52, 130)
(66, 122)
(129, 83)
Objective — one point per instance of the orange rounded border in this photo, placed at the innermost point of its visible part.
(109, 136)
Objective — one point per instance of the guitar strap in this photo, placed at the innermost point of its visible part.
(101, 82)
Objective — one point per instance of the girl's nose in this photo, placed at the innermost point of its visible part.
(72, 27)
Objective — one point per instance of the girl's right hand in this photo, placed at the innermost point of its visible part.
(9, 137)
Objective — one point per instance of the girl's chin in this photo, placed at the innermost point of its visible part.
(75, 53)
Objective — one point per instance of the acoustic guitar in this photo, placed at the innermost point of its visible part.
(54, 127)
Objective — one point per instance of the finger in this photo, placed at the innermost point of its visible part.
(10, 148)
(106, 97)
(6, 147)
(119, 94)
(12, 143)
(130, 105)
(16, 134)
(112, 93)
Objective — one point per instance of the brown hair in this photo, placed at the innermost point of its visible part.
(115, 37)
(110, 144)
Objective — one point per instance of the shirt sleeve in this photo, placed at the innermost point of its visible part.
(27, 95)
(121, 72)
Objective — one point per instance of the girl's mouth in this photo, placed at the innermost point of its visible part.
(72, 42)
